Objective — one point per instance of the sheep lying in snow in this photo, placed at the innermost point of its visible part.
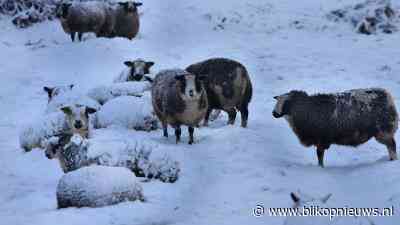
(305, 205)
(98, 186)
(228, 87)
(61, 96)
(136, 113)
(136, 70)
(179, 98)
(84, 17)
(105, 93)
(348, 118)
(57, 90)
(74, 152)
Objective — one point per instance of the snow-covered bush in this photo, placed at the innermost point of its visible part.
(34, 135)
(369, 17)
(128, 112)
(28, 12)
(302, 202)
(97, 186)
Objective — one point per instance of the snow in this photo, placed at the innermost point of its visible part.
(229, 169)
(96, 186)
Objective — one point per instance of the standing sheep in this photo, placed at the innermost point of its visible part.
(228, 87)
(126, 19)
(98, 186)
(179, 98)
(84, 17)
(348, 118)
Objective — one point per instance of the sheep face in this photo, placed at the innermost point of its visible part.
(190, 86)
(138, 69)
(62, 10)
(78, 118)
(130, 6)
(281, 105)
(54, 91)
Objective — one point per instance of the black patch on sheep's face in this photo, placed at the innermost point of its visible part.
(129, 6)
(190, 86)
(138, 69)
(62, 10)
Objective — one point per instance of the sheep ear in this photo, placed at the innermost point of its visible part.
(149, 64)
(123, 3)
(67, 110)
(180, 77)
(137, 4)
(90, 110)
(276, 97)
(48, 90)
(295, 198)
(71, 86)
(128, 63)
(326, 198)
(148, 79)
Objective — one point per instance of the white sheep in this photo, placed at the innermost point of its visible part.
(104, 93)
(97, 186)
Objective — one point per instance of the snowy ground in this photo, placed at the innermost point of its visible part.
(230, 169)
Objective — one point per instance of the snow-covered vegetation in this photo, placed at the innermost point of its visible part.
(284, 45)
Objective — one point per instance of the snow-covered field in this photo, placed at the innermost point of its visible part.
(284, 44)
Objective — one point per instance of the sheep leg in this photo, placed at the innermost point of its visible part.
(390, 145)
(191, 131)
(72, 36)
(206, 118)
(320, 155)
(80, 36)
(244, 113)
(178, 134)
(232, 116)
(165, 129)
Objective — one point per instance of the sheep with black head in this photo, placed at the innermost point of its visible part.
(348, 118)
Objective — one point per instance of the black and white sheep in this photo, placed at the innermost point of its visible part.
(347, 118)
(179, 98)
(136, 70)
(97, 186)
(228, 87)
(84, 17)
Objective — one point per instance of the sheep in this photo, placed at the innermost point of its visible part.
(179, 98)
(84, 17)
(305, 212)
(74, 152)
(137, 114)
(228, 87)
(98, 186)
(135, 70)
(126, 19)
(348, 118)
(104, 93)
(57, 90)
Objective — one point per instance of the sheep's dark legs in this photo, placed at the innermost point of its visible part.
(73, 36)
(390, 145)
(244, 113)
(165, 129)
(178, 133)
(232, 116)
(206, 118)
(191, 131)
(80, 36)
(320, 154)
